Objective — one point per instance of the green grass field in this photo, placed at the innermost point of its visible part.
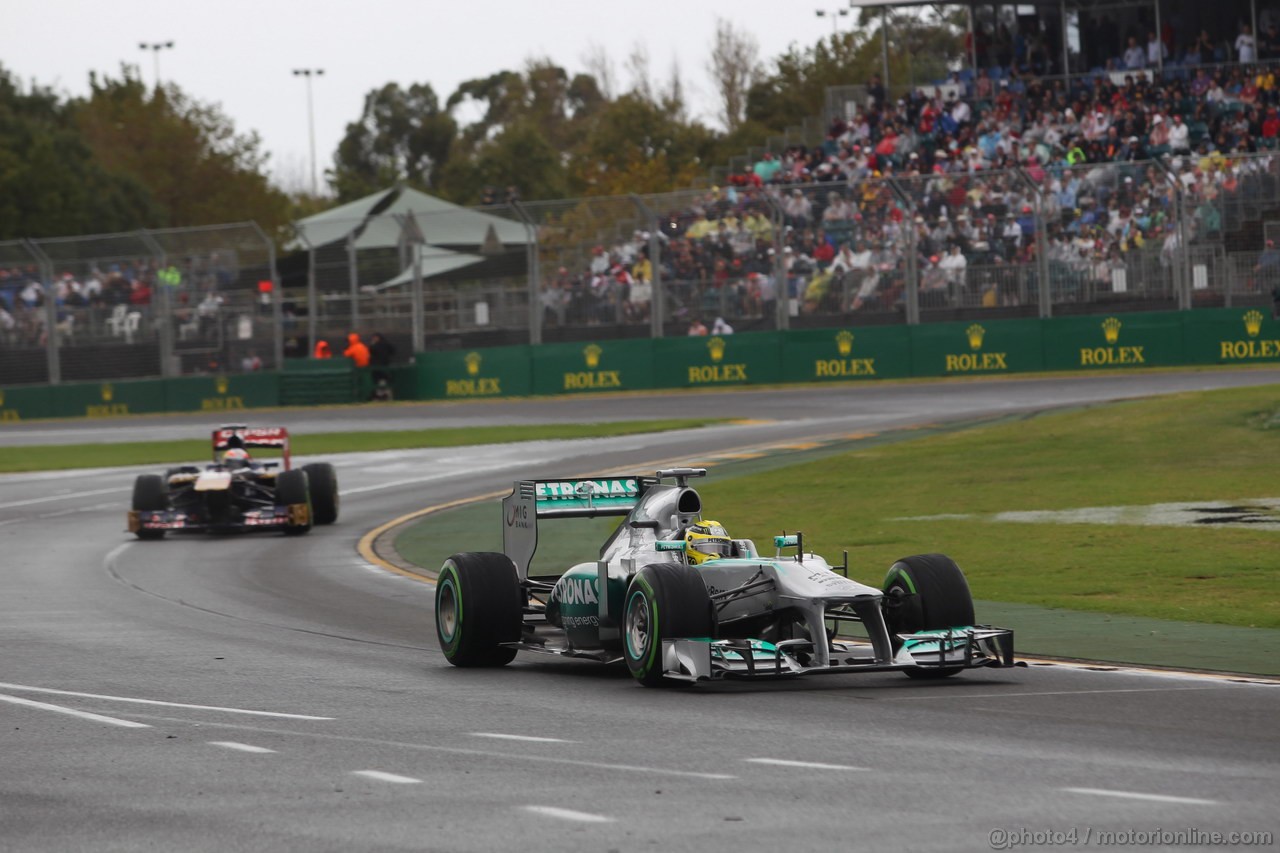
(1221, 445)
(58, 457)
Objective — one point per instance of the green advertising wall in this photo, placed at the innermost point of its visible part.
(109, 399)
(975, 349)
(835, 355)
(698, 362)
(592, 366)
(466, 374)
(1099, 341)
(225, 393)
(26, 403)
(1113, 341)
(1230, 336)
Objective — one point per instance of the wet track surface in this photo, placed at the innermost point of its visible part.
(296, 700)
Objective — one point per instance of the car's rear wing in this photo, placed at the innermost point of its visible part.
(592, 497)
(228, 436)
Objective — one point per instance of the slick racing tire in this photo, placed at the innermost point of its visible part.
(150, 494)
(323, 481)
(479, 606)
(664, 601)
(292, 488)
(925, 593)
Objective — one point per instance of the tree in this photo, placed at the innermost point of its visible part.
(50, 183)
(402, 136)
(186, 154)
(735, 67)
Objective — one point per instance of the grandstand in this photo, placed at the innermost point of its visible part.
(1079, 157)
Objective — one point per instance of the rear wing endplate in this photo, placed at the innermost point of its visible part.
(228, 436)
(531, 500)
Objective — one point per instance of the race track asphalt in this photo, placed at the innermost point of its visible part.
(270, 693)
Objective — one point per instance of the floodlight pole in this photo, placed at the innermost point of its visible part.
(155, 47)
(308, 73)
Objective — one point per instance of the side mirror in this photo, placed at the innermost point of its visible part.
(670, 545)
(786, 541)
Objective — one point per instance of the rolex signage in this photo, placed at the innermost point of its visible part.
(1146, 339)
(976, 349)
(592, 366)
(707, 362)
(1232, 335)
(846, 355)
(473, 373)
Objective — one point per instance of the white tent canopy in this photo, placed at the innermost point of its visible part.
(434, 261)
(439, 223)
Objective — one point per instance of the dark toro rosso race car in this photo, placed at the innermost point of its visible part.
(236, 492)
(679, 600)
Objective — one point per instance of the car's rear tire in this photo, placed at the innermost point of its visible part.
(479, 606)
(664, 601)
(324, 491)
(926, 592)
(292, 489)
(150, 494)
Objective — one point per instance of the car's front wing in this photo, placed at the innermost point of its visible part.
(699, 659)
(268, 518)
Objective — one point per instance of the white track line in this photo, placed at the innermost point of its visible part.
(782, 762)
(568, 814)
(529, 738)
(387, 777)
(84, 715)
(240, 747)
(28, 689)
(1134, 795)
(66, 497)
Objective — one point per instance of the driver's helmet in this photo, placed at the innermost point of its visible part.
(236, 457)
(707, 540)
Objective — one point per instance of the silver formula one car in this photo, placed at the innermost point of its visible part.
(678, 601)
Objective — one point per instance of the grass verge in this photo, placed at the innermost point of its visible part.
(1218, 445)
(65, 456)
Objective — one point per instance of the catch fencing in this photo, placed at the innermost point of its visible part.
(958, 245)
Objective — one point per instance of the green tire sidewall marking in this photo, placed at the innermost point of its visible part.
(448, 580)
(906, 579)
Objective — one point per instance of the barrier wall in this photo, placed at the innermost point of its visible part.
(1094, 342)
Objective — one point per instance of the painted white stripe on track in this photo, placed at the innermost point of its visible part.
(387, 777)
(529, 738)
(783, 762)
(29, 689)
(568, 814)
(66, 497)
(84, 715)
(1135, 795)
(240, 747)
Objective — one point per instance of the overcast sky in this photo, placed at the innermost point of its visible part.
(240, 53)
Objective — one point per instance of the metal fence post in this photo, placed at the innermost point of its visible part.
(531, 262)
(911, 297)
(657, 302)
(277, 298)
(164, 302)
(353, 277)
(1044, 294)
(411, 237)
(52, 356)
(1181, 262)
(781, 287)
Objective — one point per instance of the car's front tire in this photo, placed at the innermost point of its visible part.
(926, 592)
(150, 494)
(323, 481)
(664, 601)
(479, 607)
(292, 489)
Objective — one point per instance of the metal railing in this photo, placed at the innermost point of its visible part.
(1163, 234)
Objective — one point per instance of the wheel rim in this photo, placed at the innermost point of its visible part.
(637, 625)
(447, 611)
